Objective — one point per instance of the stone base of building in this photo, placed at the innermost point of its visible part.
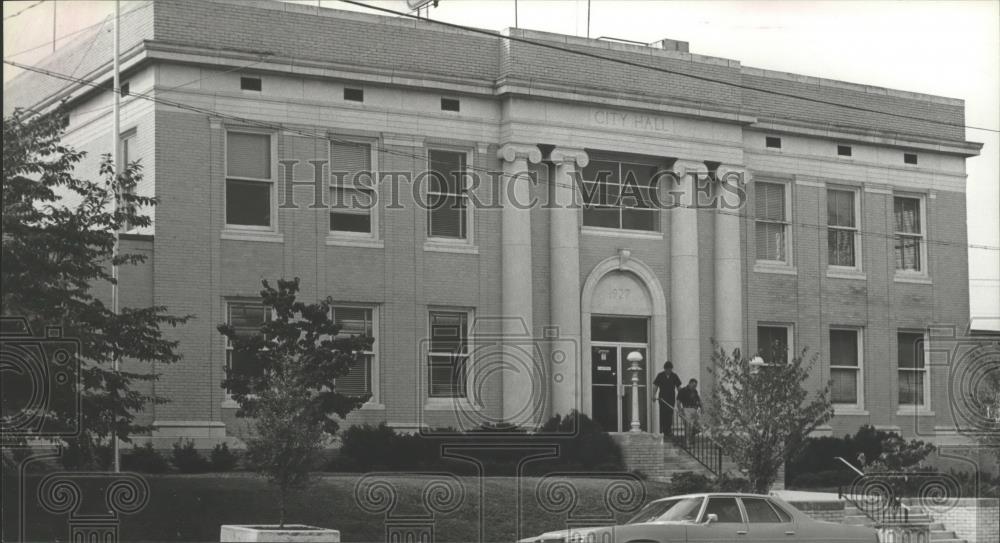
(204, 434)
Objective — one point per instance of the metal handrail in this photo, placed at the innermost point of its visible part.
(883, 517)
(702, 448)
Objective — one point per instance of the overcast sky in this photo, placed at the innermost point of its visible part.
(943, 48)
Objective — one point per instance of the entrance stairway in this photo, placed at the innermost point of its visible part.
(939, 533)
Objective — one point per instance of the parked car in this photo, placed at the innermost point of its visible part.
(715, 517)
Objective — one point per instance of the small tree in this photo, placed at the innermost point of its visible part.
(288, 386)
(760, 414)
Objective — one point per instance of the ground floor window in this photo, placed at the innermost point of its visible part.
(774, 343)
(845, 367)
(912, 368)
(358, 321)
(447, 355)
(246, 317)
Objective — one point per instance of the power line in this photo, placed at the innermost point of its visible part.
(313, 134)
(662, 70)
(9, 17)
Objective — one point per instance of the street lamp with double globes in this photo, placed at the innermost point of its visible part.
(635, 357)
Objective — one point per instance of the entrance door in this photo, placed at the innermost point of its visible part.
(613, 338)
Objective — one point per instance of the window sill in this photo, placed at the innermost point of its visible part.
(620, 233)
(450, 404)
(775, 268)
(372, 406)
(229, 403)
(911, 410)
(454, 247)
(850, 410)
(253, 235)
(914, 279)
(834, 273)
(344, 241)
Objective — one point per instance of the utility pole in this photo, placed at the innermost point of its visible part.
(588, 19)
(116, 153)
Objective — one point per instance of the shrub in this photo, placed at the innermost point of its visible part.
(145, 459)
(732, 483)
(583, 446)
(222, 459)
(83, 454)
(187, 459)
(690, 482)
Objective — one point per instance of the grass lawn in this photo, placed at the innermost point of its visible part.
(191, 507)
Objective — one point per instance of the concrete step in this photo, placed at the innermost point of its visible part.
(943, 536)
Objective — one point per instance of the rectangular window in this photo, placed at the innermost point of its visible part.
(352, 196)
(842, 227)
(845, 367)
(771, 221)
(450, 104)
(126, 145)
(621, 195)
(246, 317)
(912, 368)
(844, 150)
(909, 234)
(447, 216)
(772, 142)
(774, 343)
(249, 181)
(250, 83)
(909, 158)
(448, 354)
(357, 321)
(354, 95)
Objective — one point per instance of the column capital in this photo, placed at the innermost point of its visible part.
(683, 167)
(565, 155)
(510, 152)
(737, 173)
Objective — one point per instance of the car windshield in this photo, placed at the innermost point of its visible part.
(668, 510)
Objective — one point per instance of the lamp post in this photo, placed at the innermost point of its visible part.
(635, 357)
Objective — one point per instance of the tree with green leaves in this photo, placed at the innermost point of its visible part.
(286, 384)
(762, 413)
(59, 241)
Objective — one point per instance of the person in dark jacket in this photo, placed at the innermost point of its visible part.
(690, 404)
(666, 384)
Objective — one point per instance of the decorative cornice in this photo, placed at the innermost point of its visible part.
(563, 155)
(510, 152)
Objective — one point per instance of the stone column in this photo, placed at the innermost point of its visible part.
(564, 281)
(519, 392)
(685, 314)
(728, 260)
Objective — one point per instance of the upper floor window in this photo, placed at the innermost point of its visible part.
(448, 352)
(771, 221)
(126, 150)
(250, 83)
(352, 195)
(842, 228)
(620, 195)
(249, 180)
(357, 321)
(913, 382)
(909, 230)
(447, 197)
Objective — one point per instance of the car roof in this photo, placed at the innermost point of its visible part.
(716, 494)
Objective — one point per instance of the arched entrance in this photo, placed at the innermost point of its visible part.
(623, 312)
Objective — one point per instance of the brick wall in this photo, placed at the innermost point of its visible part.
(828, 511)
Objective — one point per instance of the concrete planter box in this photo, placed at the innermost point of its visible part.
(271, 533)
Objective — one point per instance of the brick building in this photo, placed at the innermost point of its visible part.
(851, 240)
